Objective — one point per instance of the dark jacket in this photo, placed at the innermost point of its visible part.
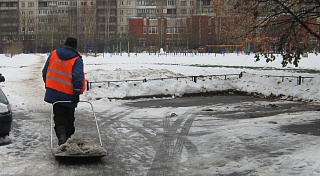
(51, 95)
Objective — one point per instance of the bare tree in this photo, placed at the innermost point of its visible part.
(13, 48)
(87, 24)
(292, 24)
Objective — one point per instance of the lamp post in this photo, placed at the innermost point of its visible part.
(52, 39)
(1, 41)
(128, 40)
(120, 45)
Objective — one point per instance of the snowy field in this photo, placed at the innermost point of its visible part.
(25, 90)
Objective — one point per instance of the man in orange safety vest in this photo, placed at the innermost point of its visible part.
(63, 75)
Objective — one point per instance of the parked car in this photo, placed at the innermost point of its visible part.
(5, 113)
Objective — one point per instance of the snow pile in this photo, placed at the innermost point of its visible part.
(79, 147)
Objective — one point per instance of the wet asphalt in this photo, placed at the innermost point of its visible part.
(145, 149)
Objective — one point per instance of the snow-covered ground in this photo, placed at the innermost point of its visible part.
(25, 89)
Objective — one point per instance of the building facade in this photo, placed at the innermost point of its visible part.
(9, 23)
(42, 25)
(108, 25)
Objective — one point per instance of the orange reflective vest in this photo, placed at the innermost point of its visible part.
(59, 74)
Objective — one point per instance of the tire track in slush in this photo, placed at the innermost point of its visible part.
(116, 117)
(182, 141)
(114, 151)
(168, 154)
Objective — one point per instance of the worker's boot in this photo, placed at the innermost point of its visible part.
(70, 131)
(61, 134)
(62, 139)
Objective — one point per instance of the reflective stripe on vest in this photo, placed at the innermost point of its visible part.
(59, 74)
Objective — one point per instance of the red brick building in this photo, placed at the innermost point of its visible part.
(172, 34)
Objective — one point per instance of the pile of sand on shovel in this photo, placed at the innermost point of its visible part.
(79, 146)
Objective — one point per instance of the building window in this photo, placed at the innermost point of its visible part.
(130, 12)
(63, 20)
(144, 29)
(101, 28)
(102, 19)
(112, 28)
(171, 3)
(3, 4)
(23, 4)
(30, 4)
(170, 30)
(141, 3)
(42, 4)
(113, 12)
(313, 40)
(74, 4)
(142, 42)
(43, 20)
(31, 37)
(181, 30)
(30, 29)
(52, 3)
(153, 29)
(43, 12)
(63, 3)
(31, 12)
(113, 19)
(184, 11)
(129, 3)
(183, 3)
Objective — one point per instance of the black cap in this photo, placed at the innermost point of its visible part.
(71, 42)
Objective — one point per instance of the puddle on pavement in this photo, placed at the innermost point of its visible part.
(312, 128)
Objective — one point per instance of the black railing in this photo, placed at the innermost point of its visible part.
(193, 78)
(299, 78)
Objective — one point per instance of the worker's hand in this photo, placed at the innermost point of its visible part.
(76, 99)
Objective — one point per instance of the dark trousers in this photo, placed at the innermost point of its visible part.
(63, 120)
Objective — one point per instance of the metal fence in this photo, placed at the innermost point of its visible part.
(193, 78)
(298, 78)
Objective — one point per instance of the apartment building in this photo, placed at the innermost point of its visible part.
(91, 21)
(42, 25)
(107, 19)
(9, 22)
(159, 23)
(170, 24)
